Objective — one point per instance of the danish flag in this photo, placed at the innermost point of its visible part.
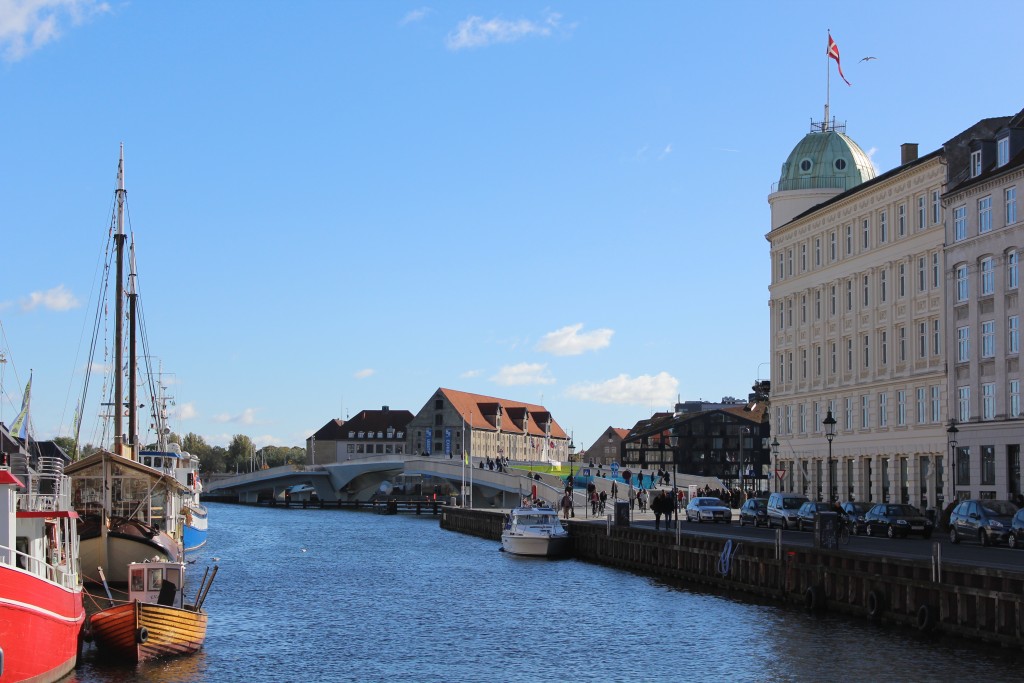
(833, 52)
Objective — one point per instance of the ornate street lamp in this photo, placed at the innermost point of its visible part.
(775, 459)
(951, 433)
(830, 433)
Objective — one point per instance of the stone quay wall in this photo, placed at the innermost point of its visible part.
(972, 602)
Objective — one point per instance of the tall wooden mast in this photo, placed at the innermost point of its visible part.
(119, 238)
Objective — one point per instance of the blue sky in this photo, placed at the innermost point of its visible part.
(343, 205)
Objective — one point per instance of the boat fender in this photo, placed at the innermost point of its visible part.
(141, 635)
(925, 618)
(874, 604)
(814, 598)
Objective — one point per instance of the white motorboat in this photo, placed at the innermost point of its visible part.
(534, 531)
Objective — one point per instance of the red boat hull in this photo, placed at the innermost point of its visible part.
(40, 627)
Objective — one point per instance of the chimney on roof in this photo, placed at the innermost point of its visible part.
(908, 152)
(384, 409)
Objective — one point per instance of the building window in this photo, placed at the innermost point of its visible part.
(1011, 205)
(922, 340)
(833, 364)
(921, 213)
(883, 293)
(975, 164)
(867, 348)
(782, 272)
(1015, 398)
(865, 416)
(963, 466)
(803, 364)
(935, 270)
(922, 406)
(867, 234)
(988, 466)
(833, 293)
(803, 309)
(789, 365)
(883, 408)
(1003, 151)
(817, 304)
(985, 214)
(1012, 270)
(936, 337)
(803, 258)
(988, 401)
(884, 347)
(849, 295)
(817, 361)
(782, 317)
(963, 344)
(922, 274)
(832, 246)
(849, 414)
(849, 355)
(988, 339)
(901, 408)
(901, 220)
(865, 285)
(849, 240)
(817, 251)
(789, 262)
(1013, 334)
(962, 290)
(960, 223)
(789, 419)
(803, 419)
(902, 344)
(817, 418)
(883, 228)
(789, 313)
(902, 282)
(936, 404)
(987, 276)
(936, 208)
(964, 404)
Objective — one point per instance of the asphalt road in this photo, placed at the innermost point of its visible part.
(914, 547)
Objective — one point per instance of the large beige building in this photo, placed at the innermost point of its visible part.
(857, 312)
(985, 238)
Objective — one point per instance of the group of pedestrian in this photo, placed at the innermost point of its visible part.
(663, 504)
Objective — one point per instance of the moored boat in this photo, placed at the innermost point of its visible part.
(41, 608)
(155, 622)
(534, 531)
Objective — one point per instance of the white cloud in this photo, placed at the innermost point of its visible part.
(364, 373)
(567, 341)
(660, 389)
(415, 15)
(523, 373)
(56, 299)
(27, 25)
(665, 152)
(185, 411)
(246, 417)
(476, 32)
(469, 374)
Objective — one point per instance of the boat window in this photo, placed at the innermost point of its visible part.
(137, 584)
(174, 575)
(155, 577)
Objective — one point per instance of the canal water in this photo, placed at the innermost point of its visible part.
(330, 595)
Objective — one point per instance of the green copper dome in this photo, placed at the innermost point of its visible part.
(825, 160)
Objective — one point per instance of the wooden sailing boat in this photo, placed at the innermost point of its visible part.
(130, 512)
(155, 622)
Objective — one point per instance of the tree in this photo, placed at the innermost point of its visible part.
(240, 450)
(67, 444)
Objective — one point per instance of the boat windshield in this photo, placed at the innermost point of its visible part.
(535, 520)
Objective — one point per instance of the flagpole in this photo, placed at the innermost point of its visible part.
(470, 463)
(828, 81)
(465, 455)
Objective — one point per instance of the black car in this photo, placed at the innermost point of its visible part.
(985, 520)
(755, 511)
(1015, 539)
(854, 513)
(896, 519)
(807, 515)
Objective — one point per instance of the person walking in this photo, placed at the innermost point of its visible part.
(657, 507)
(594, 500)
(566, 504)
(642, 500)
(632, 499)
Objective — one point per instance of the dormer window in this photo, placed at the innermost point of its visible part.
(840, 164)
(1003, 151)
(976, 164)
(362, 435)
(351, 435)
(806, 166)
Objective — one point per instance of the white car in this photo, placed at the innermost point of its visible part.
(705, 509)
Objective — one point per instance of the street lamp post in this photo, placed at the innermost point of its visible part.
(830, 433)
(743, 431)
(951, 433)
(775, 459)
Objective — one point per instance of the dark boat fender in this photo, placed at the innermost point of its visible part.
(925, 618)
(875, 604)
(141, 635)
(814, 598)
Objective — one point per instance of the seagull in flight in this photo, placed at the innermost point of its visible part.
(867, 58)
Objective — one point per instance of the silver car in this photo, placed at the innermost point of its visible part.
(705, 509)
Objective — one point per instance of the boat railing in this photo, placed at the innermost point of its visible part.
(62, 573)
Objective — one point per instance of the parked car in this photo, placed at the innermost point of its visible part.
(986, 520)
(807, 515)
(755, 511)
(855, 512)
(705, 509)
(782, 509)
(1015, 539)
(896, 519)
